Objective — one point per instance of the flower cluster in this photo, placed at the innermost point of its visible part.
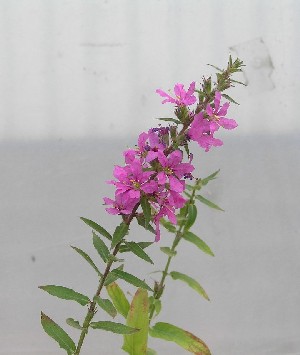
(155, 170)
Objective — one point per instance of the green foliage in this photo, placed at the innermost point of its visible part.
(213, 176)
(101, 247)
(73, 323)
(146, 210)
(124, 248)
(167, 119)
(142, 222)
(112, 277)
(138, 251)
(130, 279)
(230, 99)
(113, 327)
(97, 227)
(189, 281)
(186, 340)
(119, 234)
(118, 298)
(168, 251)
(138, 317)
(66, 294)
(106, 305)
(156, 303)
(151, 352)
(192, 238)
(168, 225)
(88, 259)
(191, 217)
(208, 203)
(58, 334)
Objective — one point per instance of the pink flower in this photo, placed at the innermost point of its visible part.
(123, 204)
(202, 130)
(182, 97)
(218, 113)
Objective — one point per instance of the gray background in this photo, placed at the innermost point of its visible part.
(77, 85)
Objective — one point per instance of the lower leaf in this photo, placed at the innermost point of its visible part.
(113, 327)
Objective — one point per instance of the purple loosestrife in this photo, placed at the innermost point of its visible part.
(182, 97)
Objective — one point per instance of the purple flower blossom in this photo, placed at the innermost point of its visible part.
(182, 97)
(123, 204)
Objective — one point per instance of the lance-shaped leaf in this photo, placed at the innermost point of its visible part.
(58, 334)
(141, 221)
(168, 119)
(118, 298)
(112, 277)
(169, 226)
(130, 279)
(138, 251)
(143, 245)
(119, 233)
(192, 238)
(73, 323)
(138, 317)
(156, 303)
(168, 251)
(230, 99)
(101, 247)
(189, 281)
(146, 210)
(106, 305)
(97, 227)
(66, 294)
(208, 203)
(191, 217)
(88, 259)
(186, 340)
(212, 176)
(117, 328)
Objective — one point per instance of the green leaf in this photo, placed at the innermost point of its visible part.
(146, 210)
(141, 221)
(138, 251)
(211, 65)
(143, 245)
(191, 237)
(66, 294)
(96, 227)
(191, 217)
(73, 323)
(230, 99)
(119, 233)
(106, 305)
(118, 298)
(112, 277)
(151, 352)
(186, 340)
(156, 303)
(130, 279)
(210, 177)
(113, 327)
(189, 281)
(208, 203)
(138, 317)
(168, 225)
(101, 247)
(237, 82)
(88, 259)
(58, 334)
(167, 119)
(168, 251)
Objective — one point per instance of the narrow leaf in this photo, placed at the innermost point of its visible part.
(191, 217)
(208, 203)
(210, 177)
(130, 279)
(211, 65)
(230, 99)
(186, 340)
(97, 227)
(66, 294)
(119, 234)
(138, 317)
(141, 221)
(112, 277)
(73, 323)
(118, 298)
(113, 327)
(156, 303)
(58, 334)
(167, 119)
(168, 225)
(143, 245)
(138, 251)
(189, 281)
(88, 259)
(168, 251)
(101, 247)
(106, 305)
(146, 210)
(192, 238)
